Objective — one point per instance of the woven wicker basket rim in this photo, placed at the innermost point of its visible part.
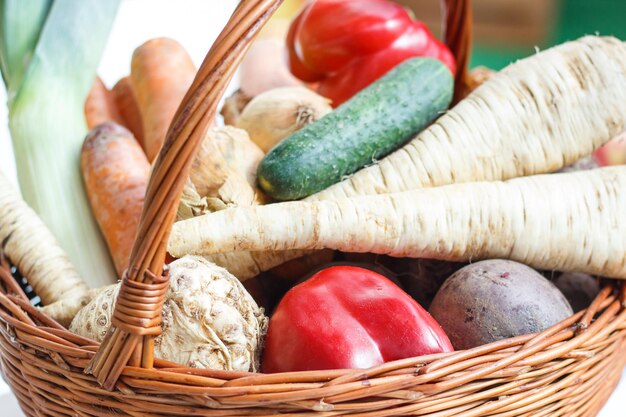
(574, 365)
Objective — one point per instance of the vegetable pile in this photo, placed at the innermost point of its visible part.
(419, 228)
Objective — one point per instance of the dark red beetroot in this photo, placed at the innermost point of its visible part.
(496, 299)
(348, 317)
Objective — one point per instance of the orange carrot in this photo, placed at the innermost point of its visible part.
(116, 172)
(161, 72)
(100, 106)
(128, 108)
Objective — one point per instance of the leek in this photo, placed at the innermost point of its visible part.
(48, 71)
(21, 24)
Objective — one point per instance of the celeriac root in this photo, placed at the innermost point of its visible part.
(566, 222)
(536, 116)
(31, 247)
(209, 320)
(223, 174)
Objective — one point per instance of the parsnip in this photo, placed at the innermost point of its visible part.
(63, 311)
(245, 265)
(537, 115)
(29, 245)
(567, 222)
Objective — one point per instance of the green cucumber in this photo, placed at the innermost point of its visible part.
(370, 125)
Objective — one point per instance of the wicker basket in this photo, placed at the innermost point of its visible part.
(567, 370)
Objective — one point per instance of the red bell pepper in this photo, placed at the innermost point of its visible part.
(348, 317)
(346, 45)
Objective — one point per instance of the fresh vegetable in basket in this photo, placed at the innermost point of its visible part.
(161, 72)
(100, 106)
(348, 317)
(115, 171)
(223, 174)
(537, 115)
(49, 52)
(275, 114)
(128, 108)
(264, 68)
(494, 300)
(209, 319)
(28, 244)
(347, 45)
(565, 222)
(373, 123)
(613, 153)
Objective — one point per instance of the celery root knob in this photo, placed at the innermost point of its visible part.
(568, 222)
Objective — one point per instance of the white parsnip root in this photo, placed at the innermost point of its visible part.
(31, 247)
(63, 311)
(245, 265)
(536, 116)
(224, 175)
(567, 222)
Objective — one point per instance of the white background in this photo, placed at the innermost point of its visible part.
(194, 23)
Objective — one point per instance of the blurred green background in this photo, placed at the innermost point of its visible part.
(506, 30)
(571, 19)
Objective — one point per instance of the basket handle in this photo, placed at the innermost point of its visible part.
(458, 37)
(130, 340)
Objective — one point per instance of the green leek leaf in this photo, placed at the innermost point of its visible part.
(20, 25)
(47, 126)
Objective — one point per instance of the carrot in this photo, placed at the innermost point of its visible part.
(100, 106)
(126, 104)
(566, 222)
(536, 116)
(161, 73)
(116, 172)
(30, 246)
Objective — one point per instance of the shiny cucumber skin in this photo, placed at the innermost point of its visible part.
(372, 124)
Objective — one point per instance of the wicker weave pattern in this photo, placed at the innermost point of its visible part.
(568, 370)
